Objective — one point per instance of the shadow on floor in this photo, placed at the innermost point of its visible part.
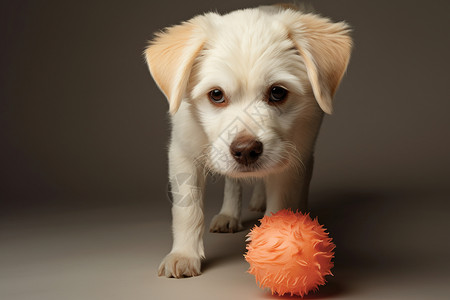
(228, 246)
(371, 230)
(332, 289)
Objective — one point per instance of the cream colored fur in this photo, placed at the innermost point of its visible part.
(243, 53)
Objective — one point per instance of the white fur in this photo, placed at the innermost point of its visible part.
(243, 53)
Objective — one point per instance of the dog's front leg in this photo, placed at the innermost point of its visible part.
(228, 219)
(258, 199)
(187, 186)
(289, 189)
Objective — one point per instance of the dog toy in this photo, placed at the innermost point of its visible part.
(289, 253)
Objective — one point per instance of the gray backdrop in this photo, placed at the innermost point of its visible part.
(81, 117)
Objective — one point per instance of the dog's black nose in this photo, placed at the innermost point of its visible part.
(246, 149)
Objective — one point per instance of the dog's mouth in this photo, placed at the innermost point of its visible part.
(248, 169)
(236, 170)
(247, 172)
(257, 170)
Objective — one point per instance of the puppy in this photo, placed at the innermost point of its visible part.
(247, 92)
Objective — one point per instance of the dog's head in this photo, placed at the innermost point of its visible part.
(257, 80)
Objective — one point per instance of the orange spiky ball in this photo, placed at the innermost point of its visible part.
(289, 253)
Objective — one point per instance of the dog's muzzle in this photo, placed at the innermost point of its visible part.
(246, 149)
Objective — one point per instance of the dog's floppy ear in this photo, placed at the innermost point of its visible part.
(325, 47)
(170, 57)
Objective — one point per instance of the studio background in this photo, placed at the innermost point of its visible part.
(83, 155)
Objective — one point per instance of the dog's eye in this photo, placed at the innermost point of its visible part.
(216, 96)
(277, 94)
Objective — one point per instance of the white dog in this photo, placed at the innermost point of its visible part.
(247, 92)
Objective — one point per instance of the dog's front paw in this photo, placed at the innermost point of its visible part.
(179, 265)
(224, 223)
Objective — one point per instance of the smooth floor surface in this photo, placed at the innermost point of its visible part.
(391, 245)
